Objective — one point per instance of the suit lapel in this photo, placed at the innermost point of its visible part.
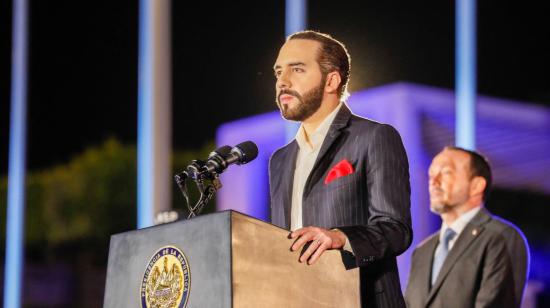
(287, 179)
(340, 121)
(424, 266)
(470, 233)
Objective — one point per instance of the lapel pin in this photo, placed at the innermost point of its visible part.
(474, 232)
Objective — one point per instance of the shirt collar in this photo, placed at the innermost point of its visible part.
(316, 138)
(460, 223)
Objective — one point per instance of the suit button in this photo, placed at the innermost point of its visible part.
(367, 259)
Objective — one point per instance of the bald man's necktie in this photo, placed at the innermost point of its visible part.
(441, 254)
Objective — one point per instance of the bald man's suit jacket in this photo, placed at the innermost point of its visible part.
(371, 205)
(487, 267)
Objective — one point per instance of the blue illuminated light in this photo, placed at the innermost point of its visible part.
(15, 231)
(295, 20)
(465, 57)
(145, 117)
(295, 16)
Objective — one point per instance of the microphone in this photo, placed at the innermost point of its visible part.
(218, 160)
(219, 153)
(225, 156)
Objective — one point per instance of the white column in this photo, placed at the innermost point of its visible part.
(466, 79)
(154, 110)
(15, 218)
(295, 20)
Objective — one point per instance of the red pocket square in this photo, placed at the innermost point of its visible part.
(341, 169)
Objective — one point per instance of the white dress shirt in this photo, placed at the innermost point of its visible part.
(308, 150)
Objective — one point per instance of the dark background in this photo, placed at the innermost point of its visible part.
(83, 62)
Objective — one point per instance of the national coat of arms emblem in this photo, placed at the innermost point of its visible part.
(167, 280)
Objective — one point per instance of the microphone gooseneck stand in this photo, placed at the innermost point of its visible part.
(206, 175)
(197, 172)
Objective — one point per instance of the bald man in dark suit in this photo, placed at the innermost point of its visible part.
(476, 259)
(343, 183)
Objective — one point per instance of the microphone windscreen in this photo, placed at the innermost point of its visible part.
(249, 151)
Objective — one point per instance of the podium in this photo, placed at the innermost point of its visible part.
(225, 259)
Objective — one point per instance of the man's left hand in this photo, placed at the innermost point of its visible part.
(321, 240)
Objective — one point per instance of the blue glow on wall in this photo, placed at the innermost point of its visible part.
(424, 116)
(145, 117)
(15, 224)
(465, 57)
(245, 188)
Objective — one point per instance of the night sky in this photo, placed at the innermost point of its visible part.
(83, 62)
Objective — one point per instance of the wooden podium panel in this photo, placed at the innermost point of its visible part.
(228, 260)
(267, 274)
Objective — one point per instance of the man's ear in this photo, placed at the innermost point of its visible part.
(478, 185)
(333, 82)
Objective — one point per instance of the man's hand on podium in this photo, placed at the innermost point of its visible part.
(319, 240)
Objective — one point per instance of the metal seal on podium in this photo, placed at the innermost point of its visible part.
(167, 280)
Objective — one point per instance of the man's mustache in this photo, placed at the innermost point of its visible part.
(289, 92)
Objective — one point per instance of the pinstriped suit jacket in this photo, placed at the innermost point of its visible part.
(371, 206)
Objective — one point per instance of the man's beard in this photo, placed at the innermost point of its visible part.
(307, 105)
(440, 208)
(444, 203)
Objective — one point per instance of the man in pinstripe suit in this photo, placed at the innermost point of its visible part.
(343, 183)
